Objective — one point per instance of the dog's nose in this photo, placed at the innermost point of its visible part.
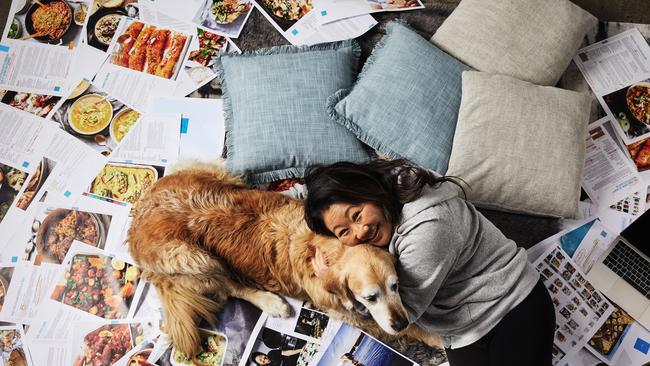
(399, 325)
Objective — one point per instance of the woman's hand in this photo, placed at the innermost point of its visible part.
(319, 263)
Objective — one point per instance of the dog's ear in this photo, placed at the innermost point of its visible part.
(337, 286)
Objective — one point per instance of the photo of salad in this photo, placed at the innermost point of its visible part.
(213, 349)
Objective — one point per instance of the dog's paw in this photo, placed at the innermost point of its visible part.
(275, 305)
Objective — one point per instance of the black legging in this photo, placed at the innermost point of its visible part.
(523, 337)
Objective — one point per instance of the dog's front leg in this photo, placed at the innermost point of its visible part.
(269, 302)
(415, 332)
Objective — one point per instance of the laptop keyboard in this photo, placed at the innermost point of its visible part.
(632, 267)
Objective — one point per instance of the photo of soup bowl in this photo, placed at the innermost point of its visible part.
(90, 114)
(122, 123)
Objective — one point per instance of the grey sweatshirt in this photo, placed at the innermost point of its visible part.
(458, 274)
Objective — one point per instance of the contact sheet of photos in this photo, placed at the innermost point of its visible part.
(580, 309)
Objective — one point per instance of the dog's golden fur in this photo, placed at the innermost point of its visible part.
(200, 235)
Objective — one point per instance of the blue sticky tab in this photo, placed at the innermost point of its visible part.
(4, 48)
(323, 13)
(74, 208)
(57, 88)
(184, 123)
(164, 160)
(25, 164)
(128, 161)
(294, 32)
(14, 259)
(603, 234)
(642, 346)
(67, 193)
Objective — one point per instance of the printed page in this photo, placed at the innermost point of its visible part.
(225, 343)
(205, 47)
(144, 61)
(333, 10)
(13, 346)
(587, 243)
(39, 105)
(103, 19)
(609, 175)
(38, 48)
(95, 117)
(302, 28)
(352, 346)
(202, 125)
(618, 71)
(155, 140)
(21, 166)
(112, 343)
(27, 290)
(621, 340)
(223, 18)
(580, 308)
(46, 235)
(91, 284)
(307, 322)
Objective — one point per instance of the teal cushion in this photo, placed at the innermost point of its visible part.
(275, 109)
(406, 100)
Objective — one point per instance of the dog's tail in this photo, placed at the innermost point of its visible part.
(184, 306)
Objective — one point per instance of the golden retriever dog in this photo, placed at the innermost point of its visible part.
(201, 235)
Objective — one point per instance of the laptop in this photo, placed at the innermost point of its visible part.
(623, 272)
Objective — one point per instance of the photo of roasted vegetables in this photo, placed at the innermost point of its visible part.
(227, 11)
(99, 285)
(210, 44)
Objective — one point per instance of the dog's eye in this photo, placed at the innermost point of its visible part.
(394, 287)
(371, 298)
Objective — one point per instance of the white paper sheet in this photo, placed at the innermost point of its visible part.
(608, 175)
(202, 125)
(307, 31)
(333, 10)
(615, 68)
(155, 140)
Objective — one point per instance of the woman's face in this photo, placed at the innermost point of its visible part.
(360, 223)
(262, 359)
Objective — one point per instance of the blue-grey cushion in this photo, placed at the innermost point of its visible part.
(405, 102)
(275, 109)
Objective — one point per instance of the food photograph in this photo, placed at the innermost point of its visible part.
(104, 17)
(640, 154)
(6, 274)
(285, 13)
(146, 48)
(201, 56)
(55, 229)
(226, 17)
(125, 182)
(35, 183)
(631, 108)
(213, 349)
(12, 352)
(111, 342)
(11, 180)
(94, 117)
(57, 22)
(38, 104)
(610, 333)
(99, 285)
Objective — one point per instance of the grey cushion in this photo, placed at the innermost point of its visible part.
(405, 103)
(532, 40)
(520, 146)
(274, 108)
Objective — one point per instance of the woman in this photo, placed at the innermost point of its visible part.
(460, 277)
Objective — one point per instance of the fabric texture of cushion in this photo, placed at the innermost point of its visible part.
(532, 40)
(275, 109)
(405, 102)
(520, 146)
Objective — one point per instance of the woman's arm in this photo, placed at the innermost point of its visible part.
(426, 255)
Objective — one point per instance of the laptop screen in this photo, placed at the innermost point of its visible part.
(638, 233)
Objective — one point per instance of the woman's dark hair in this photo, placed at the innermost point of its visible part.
(254, 355)
(388, 183)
